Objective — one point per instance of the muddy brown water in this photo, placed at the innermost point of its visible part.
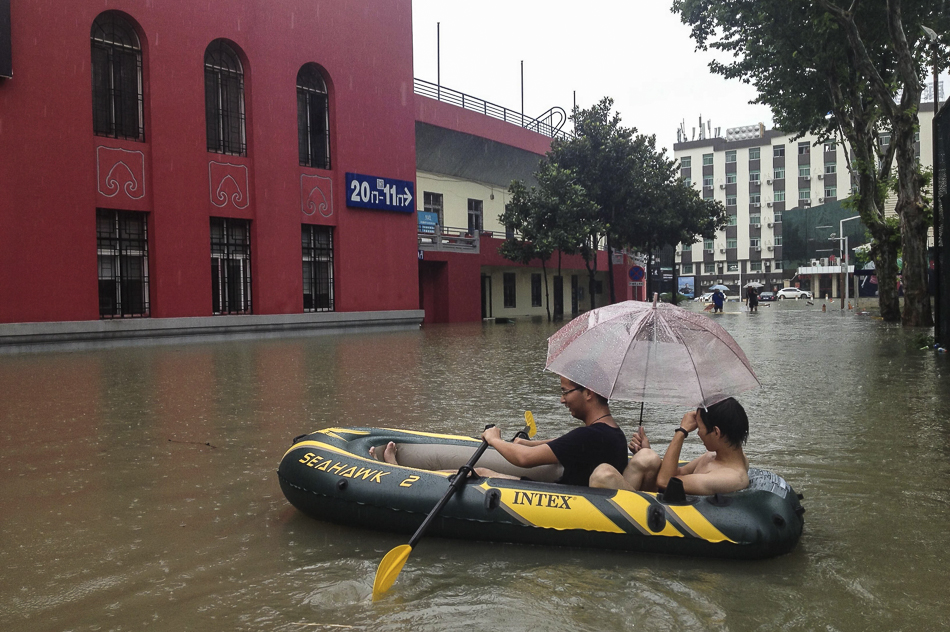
(138, 486)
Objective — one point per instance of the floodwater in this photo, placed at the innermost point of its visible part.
(138, 486)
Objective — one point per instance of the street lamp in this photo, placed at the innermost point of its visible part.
(932, 35)
(844, 260)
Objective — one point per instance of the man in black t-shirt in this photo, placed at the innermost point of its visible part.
(579, 451)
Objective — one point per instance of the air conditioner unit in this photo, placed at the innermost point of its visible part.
(758, 248)
(770, 224)
(756, 204)
(768, 182)
(820, 200)
(821, 176)
(814, 263)
(824, 261)
(722, 250)
(768, 204)
(806, 177)
(722, 186)
(769, 248)
(756, 225)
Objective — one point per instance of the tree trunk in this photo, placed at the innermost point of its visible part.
(675, 294)
(592, 270)
(547, 294)
(559, 313)
(885, 264)
(610, 269)
(913, 223)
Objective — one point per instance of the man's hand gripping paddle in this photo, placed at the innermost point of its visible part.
(392, 563)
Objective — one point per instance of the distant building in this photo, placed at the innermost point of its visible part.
(760, 175)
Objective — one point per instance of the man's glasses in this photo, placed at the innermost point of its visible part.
(565, 393)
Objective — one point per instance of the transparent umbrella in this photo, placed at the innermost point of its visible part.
(648, 352)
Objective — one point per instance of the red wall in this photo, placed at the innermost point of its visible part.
(48, 153)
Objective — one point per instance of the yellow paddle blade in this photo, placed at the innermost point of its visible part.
(389, 569)
(529, 421)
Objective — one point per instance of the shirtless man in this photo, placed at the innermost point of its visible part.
(598, 441)
(722, 428)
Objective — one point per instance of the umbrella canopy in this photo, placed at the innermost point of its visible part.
(754, 284)
(645, 352)
(719, 287)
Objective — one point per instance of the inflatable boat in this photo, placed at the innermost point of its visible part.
(330, 475)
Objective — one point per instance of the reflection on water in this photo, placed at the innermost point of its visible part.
(138, 486)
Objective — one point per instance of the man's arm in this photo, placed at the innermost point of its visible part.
(532, 442)
(722, 481)
(517, 453)
(670, 465)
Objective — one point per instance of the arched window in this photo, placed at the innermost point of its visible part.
(313, 118)
(116, 78)
(224, 100)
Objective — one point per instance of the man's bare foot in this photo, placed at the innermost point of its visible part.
(389, 454)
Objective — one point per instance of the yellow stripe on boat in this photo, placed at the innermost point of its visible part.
(435, 435)
(330, 448)
(696, 522)
(634, 507)
(551, 510)
(381, 464)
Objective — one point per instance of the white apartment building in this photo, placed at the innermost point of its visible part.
(758, 174)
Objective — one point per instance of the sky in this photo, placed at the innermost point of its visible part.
(635, 51)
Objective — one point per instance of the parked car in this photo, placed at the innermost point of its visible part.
(793, 292)
(767, 296)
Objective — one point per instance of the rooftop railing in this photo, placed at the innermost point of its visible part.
(549, 124)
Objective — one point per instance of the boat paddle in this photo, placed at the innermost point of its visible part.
(392, 563)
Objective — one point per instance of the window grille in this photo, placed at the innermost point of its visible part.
(432, 203)
(535, 290)
(224, 100)
(313, 118)
(230, 266)
(509, 289)
(122, 249)
(317, 268)
(116, 78)
(474, 216)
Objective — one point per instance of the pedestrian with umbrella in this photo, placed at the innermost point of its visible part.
(752, 295)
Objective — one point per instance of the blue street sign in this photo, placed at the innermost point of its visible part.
(384, 194)
(636, 273)
(427, 222)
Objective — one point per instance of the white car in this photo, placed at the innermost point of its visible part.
(792, 292)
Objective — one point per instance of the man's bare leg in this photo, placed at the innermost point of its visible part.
(487, 473)
(640, 473)
(389, 454)
(606, 476)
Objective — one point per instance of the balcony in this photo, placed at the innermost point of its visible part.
(449, 239)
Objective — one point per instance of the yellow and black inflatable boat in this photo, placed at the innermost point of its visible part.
(330, 475)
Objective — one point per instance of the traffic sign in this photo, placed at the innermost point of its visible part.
(637, 273)
(384, 194)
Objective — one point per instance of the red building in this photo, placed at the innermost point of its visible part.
(142, 141)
